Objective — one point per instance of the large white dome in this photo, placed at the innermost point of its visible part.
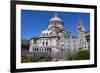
(55, 18)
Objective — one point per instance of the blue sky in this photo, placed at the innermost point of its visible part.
(33, 22)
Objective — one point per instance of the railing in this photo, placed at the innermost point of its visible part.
(41, 49)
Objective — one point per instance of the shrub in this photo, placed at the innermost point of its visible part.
(44, 58)
(26, 59)
(80, 55)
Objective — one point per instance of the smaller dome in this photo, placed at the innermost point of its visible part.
(46, 32)
(55, 18)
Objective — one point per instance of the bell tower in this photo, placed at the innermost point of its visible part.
(82, 43)
(80, 26)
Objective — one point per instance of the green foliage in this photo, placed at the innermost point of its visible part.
(44, 58)
(80, 55)
(26, 59)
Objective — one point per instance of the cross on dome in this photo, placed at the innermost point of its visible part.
(80, 22)
(56, 18)
(56, 14)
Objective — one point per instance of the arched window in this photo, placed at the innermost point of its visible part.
(43, 43)
(50, 49)
(51, 23)
(34, 49)
(44, 34)
(58, 23)
(42, 49)
(47, 33)
(45, 49)
(46, 43)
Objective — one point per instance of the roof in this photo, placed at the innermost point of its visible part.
(60, 30)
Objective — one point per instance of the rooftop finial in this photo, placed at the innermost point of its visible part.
(80, 21)
(56, 14)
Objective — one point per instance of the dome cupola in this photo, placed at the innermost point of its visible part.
(56, 22)
(55, 18)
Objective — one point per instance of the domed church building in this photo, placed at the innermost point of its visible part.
(55, 39)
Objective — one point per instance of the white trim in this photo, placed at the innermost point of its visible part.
(51, 64)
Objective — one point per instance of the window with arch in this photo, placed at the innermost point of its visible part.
(47, 34)
(57, 23)
(44, 34)
(51, 23)
(43, 43)
(46, 43)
